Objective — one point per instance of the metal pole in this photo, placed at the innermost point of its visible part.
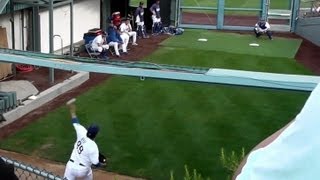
(71, 28)
(180, 12)
(295, 15)
(61, 42)
(265, 5)
(104, 15)
(51, 70)
(36, 37)
(22, 31)
(176, 23)
(12, 25)
(13, 67)
(220, 15)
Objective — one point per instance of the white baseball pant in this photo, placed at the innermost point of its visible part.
(75, 171)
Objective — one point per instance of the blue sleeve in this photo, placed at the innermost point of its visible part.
(137, 12)
(152, 7)
(111, 36)
(75, 120)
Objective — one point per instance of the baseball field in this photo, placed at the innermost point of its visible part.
(152, 127)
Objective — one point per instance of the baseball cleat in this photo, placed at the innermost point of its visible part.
(71, 101)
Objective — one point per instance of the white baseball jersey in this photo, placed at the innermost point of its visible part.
(85, 150)
(125, 28)
(260, 29)
(96, 41)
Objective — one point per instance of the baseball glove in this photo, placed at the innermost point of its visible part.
(102, 159)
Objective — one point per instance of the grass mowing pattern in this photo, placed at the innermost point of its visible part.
(151, 127)
(218, 59)
(235, 43)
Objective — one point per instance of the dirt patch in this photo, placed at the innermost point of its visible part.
(55, 167)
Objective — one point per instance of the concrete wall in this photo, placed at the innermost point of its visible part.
(5, 22)
(309, 28)
(86, 16)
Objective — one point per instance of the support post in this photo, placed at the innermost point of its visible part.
(265, 5)
(13, 67)
(12, 24)
(22, 31)
(295, 15)
(180, 17)
(36, 34)
(71, 28)
(176, 24)
(104, 15)
(51, 48)
(220, 15)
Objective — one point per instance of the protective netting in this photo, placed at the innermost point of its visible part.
(28, 172)
(309, 8)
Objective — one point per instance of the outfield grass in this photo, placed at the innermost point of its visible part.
(151, 127)
(235, 43)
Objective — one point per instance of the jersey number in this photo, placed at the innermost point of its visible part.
(79, 147)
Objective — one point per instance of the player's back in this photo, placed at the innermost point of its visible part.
(85, 151)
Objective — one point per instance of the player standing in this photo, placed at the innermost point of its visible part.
(85, 152)
(139, 15)
(156, 18)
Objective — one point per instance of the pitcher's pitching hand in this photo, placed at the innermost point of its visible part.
(72, 107)
(71, 101)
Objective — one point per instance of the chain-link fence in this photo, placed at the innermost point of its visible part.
(28, 172)
(309, 8)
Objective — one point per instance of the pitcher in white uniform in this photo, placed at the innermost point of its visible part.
(85, 152)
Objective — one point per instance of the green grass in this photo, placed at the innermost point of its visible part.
(235, 43)
(151, 127)
(218, 59)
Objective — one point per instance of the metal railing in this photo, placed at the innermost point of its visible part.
(28, 172)
(8, 101)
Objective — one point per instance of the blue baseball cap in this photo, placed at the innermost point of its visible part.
(92, 131)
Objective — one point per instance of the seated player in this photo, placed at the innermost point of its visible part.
(116, 19)
(99, 44)
(115, 40)
(126, 32)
